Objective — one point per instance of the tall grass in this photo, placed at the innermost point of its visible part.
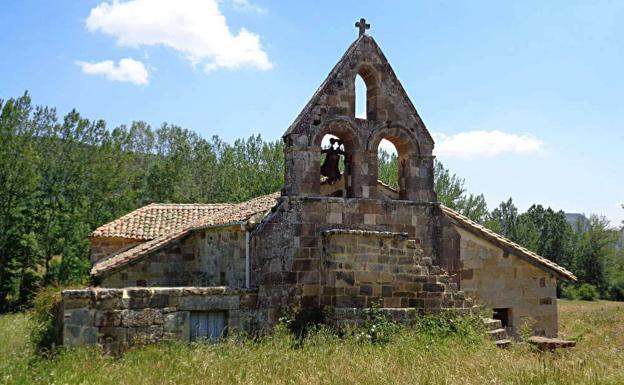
(412, 356)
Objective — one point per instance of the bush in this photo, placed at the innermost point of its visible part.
(302, 322)
(616, 289)
(585, 292)
(378, 327)
(43, 332)
(469, 328)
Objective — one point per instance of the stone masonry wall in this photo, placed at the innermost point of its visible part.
(210, 257)
(496, 279)
(119, 318)
(102, 247)
(287, 247)
(364, 268)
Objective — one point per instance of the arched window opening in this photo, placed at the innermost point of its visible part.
(366, 93)
(334, 167)
(360, 98)
(388, 163)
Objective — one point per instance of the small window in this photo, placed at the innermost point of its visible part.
(360, 98)
(208, 325)
(504, 315)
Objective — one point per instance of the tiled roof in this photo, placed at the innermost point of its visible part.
(231, 214)
(505, 243)
(157, 219)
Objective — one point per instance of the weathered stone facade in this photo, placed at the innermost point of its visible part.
(499, 280)
(208, 257)
(103, 247)
(294, 246)
(337, 244)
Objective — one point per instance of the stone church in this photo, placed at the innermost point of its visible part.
(334, 238)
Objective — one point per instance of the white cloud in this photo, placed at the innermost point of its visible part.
(195, 28)
(246, 6)
(127, 70)
(485, 144)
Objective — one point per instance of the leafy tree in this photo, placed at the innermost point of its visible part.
(503, 219)
(19, 247)
(596, 251)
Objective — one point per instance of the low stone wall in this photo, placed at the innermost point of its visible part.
(119, 318)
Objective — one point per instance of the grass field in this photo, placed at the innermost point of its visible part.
(409, 359)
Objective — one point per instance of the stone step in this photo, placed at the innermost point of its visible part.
(492, 324)
(544, 343)
(503, 344)
(497, 334)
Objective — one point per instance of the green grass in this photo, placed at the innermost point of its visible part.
(409, 358)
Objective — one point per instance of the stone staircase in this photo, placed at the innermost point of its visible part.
(497, 333)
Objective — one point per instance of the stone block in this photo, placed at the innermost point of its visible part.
(141, 318)
(145, 334)
(80, 317)
(177, 325)
(392, 302)
(433, 287)
(208, 303)
(119, 334)
(159, 300)
(108, 318)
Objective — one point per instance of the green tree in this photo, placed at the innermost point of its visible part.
(503, 219)
(19, 178)
(596, 251)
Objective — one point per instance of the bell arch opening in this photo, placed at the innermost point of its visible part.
(334, 166)
(397, 162)
(387, 164)
(366, 91)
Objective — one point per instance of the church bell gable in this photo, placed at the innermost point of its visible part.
(390, 115)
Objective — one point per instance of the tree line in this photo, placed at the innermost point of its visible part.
(60, 178)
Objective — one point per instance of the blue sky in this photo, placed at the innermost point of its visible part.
(525, 99)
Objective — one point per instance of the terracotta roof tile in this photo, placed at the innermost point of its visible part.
(498, 239)
(231, 214)
(156, 219)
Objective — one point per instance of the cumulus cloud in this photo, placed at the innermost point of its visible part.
(485, 144)
(126, 70)
(195, 28)
(246, 6)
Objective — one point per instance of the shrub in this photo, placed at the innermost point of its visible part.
(588, 292)
(585, 292)
(43, 332)
(568, 292)
(616, 289)
(469, 328)
(301, 322)
(378, 327)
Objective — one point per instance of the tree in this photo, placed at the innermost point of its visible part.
(19, 178)
(503, 219)
(452, 193)
(596, 252)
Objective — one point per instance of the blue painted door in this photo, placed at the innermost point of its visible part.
(208, 325)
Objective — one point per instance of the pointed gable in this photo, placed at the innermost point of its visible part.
(336, 95)
(390, 115)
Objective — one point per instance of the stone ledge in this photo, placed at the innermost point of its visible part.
(369, 233)
(99, 293)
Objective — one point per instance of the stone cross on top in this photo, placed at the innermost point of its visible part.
(362, 26)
